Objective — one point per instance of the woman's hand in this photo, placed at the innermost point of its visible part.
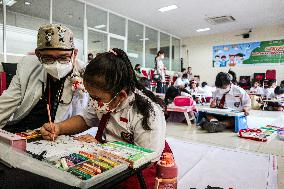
(50, 131)
(86, 138)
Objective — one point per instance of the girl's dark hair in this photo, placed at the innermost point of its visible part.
(184, 76)
(136, 66)
(222, 79)
(278, 90)
(270, 82)
(234, 77)
(113, 72)
(158, 54)
(171, 93)
(203, 84)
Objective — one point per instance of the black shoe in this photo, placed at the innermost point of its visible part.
(214, 126)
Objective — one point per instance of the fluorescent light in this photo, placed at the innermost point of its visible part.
(100, 26)
(203, 30)
(146, 39)
(27, 3)
(168, 8)
(9, 2)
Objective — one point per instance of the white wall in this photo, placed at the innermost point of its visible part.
(200, 54)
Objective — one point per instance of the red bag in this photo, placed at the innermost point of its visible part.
(2, 82)
(271, 74)
(183, 101)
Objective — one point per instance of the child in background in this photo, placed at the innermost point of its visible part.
(282, 84)
(269, 92)
(185, 80)
(121, 108)
(179, 83)
(227, 95)
(256, 89)
(208, 91)
(194, 88)
(278, 95)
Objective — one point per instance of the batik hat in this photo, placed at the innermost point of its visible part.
(54, 36)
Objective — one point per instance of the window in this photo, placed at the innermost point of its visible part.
(165, 46)
(70, 13)
(151, 46)
(30, 16)
(96, 18)
(23, 21)
(116, 25)
(97, 42)
(135, 43)
(176, 66)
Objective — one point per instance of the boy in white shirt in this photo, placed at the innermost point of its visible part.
(256, 89)
(226, 96)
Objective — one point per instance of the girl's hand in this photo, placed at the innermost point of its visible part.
(50, 131)
(213, 104)
(86, 138)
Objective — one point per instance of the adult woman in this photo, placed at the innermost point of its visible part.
(160, 69)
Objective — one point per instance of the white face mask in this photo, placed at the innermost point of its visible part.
(225, 90)
(58, 70)
(102, 107)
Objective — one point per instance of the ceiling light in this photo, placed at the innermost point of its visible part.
(203, 30)
(100, 26)
(168, 8)
(70, 15)
(146, 39)
(27, 3)
(9, 2)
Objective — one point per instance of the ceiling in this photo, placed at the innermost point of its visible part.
(191, 14)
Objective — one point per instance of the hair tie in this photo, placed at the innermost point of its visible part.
(112, 51)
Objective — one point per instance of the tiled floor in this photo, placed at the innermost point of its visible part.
(231, 140)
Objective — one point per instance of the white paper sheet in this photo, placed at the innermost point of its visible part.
(202, 165)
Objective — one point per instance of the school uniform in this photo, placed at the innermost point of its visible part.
(24, 98)
(125, 124)
(196, 90)
(178, 82)
(269, 93)
(208, 91)
(236, 98)
(256, 90)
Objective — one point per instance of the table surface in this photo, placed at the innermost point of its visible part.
(227, 112)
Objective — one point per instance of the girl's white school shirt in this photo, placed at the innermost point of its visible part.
(237, 98)
(269, 93)
(125, 124)
(257, 90)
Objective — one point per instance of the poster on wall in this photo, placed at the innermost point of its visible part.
(245, 54)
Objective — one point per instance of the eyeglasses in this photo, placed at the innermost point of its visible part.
(51, 60)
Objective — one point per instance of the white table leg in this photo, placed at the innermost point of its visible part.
(187, 119)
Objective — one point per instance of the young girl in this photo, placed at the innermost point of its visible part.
(120, 106)
(227, 95)
(256, 89)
